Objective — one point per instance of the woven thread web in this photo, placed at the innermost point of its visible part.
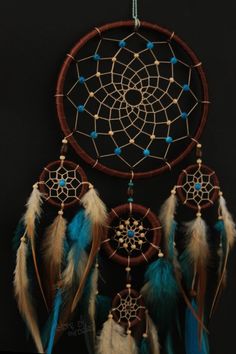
(198, 187)
(131, 237)
(63, 185)
(134, 104)
(128, 308)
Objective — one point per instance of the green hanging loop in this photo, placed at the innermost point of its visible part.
(135, 14)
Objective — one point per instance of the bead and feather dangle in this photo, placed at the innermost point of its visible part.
(62, 184)
(198, 189)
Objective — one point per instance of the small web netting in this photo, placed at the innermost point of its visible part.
(132, 236)
(198, 186)
(133, 103)
(62, 184)
(128, 308)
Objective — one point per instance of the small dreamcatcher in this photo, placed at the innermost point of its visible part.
(132, 101)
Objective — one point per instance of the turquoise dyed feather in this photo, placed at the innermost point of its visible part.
(171, 241)
(145, 347)
(220, 227)
(54, 320)
(79, 234)
(169, 345)
(103, 306)
(161, 292)
(19, 232)
(192, 345)
(186, 268)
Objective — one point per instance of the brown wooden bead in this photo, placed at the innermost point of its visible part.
(130, 192)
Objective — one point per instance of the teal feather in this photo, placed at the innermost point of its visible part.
(19, 232)
(186, 268)
(79, 234)
(192, 345)
(171, 241)
(169, 344)
(54, 320)
(145, 347)
(161, 292)
(220, 227)
(103, 306)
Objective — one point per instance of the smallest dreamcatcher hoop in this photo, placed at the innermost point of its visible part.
(133, 236)
(128, 308)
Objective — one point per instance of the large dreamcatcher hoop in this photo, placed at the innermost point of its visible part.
(132, 102)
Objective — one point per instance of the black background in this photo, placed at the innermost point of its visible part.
(35, 36)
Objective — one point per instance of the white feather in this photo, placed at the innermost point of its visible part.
(228, 222)
(22, 293)
(94, 207)
(167, 213)
(114, 340)
(197, 245)
(153, 336)
(33, 210)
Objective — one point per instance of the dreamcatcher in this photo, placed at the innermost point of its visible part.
(132, 101)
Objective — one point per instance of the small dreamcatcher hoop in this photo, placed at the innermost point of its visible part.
(63, 183)
(198, 187)
(134, 101)
(134, 235)
(128, 308)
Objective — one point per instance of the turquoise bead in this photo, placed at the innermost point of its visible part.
(117, 151)
(62, 183)
(131, 184)
(122, 44)
(81, 80)
(130, 200)
(96, 57)
(198, 186)
(146, 152)
(150, 45)
(186, 87)
(169, 139)
(130, 233)
(94, 135)
(174, 60)
(80, 108)
(184, 115)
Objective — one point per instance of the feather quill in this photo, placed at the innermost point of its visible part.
(32, 214)
(113, 340)
(22, 293)
(53, 251)
(95, 210)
